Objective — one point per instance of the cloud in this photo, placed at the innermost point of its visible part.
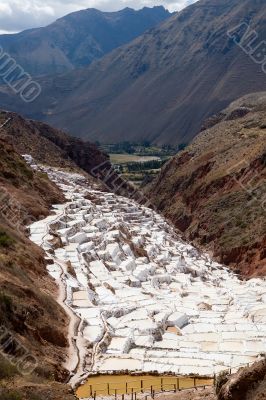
(17, 15)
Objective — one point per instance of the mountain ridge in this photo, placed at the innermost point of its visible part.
(161, 86)
(77, 39)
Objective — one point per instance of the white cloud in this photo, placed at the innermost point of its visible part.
(16, 15)
(5, 9)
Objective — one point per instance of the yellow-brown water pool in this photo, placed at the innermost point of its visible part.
(104, 385)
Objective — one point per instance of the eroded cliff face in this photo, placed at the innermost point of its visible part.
(33, 326)
(215, 190)
(247, 384)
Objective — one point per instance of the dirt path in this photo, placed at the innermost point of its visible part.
(98, 344)
(194, 394)
(73, 363)
(73, 359)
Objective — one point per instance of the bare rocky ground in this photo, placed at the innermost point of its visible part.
(247, 384)
(258, 393)
(31, 320)
(200, 394)
(214, 191)
(21, 390)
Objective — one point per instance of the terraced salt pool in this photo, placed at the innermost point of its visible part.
(104, 385)
(146, 302)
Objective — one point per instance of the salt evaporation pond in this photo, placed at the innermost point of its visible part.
(146, 300)
(104, 385)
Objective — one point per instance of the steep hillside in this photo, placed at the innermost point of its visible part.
(78, 38)
(49, 145)
(215, 190)
(55, 148)
(33, 326)
(162, 85)
(247, 384)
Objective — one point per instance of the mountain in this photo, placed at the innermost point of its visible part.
(78, 38)
(33, 325)
(162, 85)
(215, 190)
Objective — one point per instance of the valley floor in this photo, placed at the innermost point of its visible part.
(142, 299)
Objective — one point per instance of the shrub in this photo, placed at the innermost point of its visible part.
(5, 303)
(221, 380)
(5, 240)
(7, 370)
(6, 394)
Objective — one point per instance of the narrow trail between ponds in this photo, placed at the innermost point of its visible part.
(73, 363)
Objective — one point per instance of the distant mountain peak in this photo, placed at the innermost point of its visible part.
(79, 38)
(162, 85)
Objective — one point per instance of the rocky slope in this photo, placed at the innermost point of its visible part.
(55, 148)
(78, 38)
(48, 145)
(214, 191)
(247, 384)
(162, 85)
(33, 326)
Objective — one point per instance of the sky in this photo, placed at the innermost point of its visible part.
(17, 15)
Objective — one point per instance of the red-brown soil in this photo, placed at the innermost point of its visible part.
(215, 190)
